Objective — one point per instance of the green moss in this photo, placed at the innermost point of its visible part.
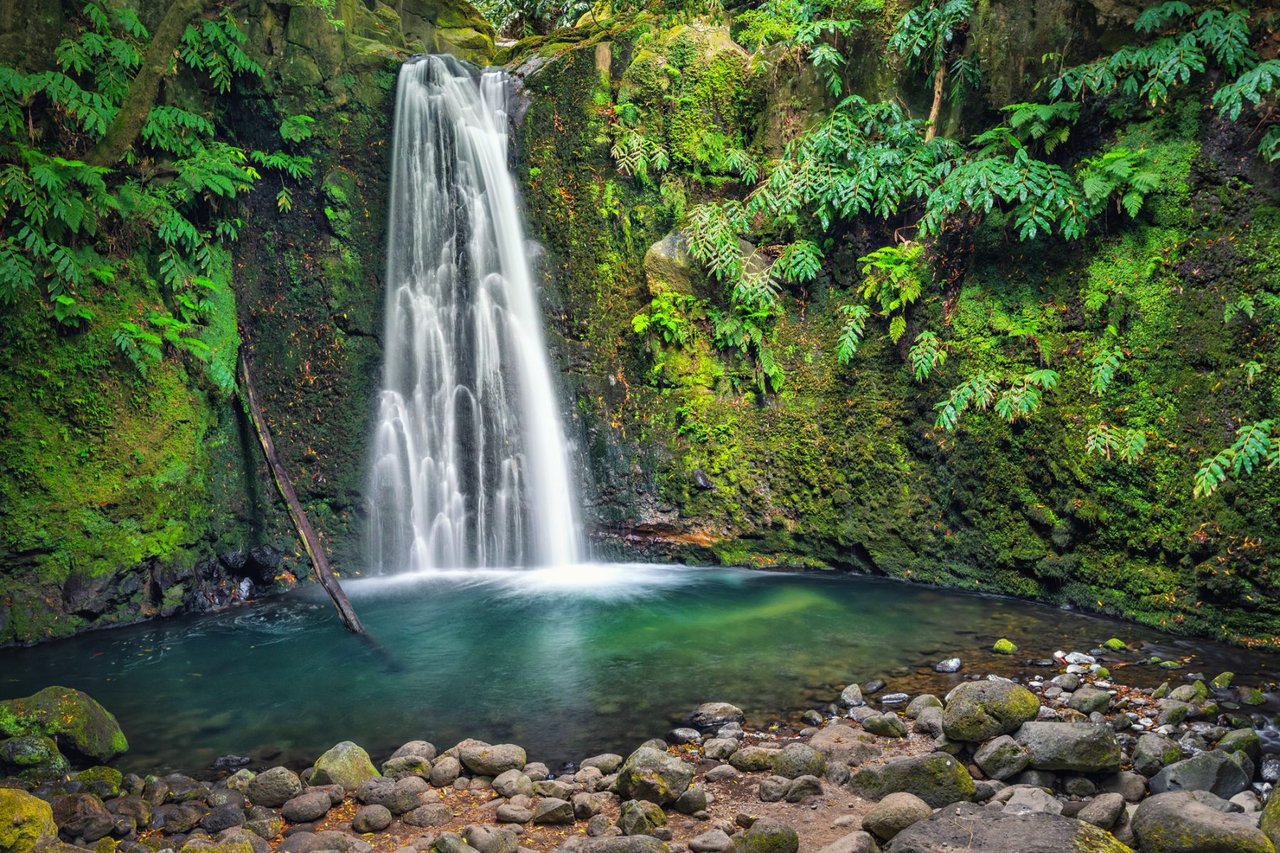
(71, 717)
(25, 821)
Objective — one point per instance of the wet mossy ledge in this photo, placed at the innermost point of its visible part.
(128, 497)
(694, 454)
(1058, 757)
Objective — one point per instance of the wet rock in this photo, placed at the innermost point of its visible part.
(307, 807)
(344, 764)
(373, 818)
(1182, 822)
(1079, 747)
(1212, 771)
(767, 836)
(82, 816)
(1004, 646)
(1241, 740)
(895, 699)
(798, 759)
(938, 779)
(223, 818)
(492, 760)
(176, 817)
(978, 710)
(35, 758)
(639, 817)
(26, 822)
(684, 735)
(552, 810)
(713, 715)
(948, 665)
(851, 697)
(875, 685)
(895, 813)
(966, 826)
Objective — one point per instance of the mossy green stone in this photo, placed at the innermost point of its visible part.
(1115, 645)
(1223, 680)
(1252, 696)
(1004, 646)
(938, 779)
(72, 718)
(1270, 824)
(979, 710)
(105, 782)
(346, 764)
(26, 822)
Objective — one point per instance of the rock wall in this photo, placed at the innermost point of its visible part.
(841, 467)
(126, 498)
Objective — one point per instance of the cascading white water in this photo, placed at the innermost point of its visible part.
(470, 465)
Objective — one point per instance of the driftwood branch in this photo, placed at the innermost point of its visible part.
(300, 521)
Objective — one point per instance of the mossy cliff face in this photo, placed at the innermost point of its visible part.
(841, 466)
(119, 492)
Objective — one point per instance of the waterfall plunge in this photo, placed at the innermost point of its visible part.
(470, 465)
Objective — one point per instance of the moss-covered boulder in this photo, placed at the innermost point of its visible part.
(80, 725)
(938, 779)
(649, 774)
(346, 764)
(104, 782)
(979, 710)
(767, 836)
(972, 827)
(1196, 822)
(26, 822)
(1081, 747)
(33, 757)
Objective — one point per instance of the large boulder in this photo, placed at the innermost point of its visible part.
(1080, 747)
(26, 822)
(969, 827)
(1195, 822)
(713, 715)
(80, 725)
(938, 779)
(485, 759)
(895, 813)
(979, 710)
(345, 764)
(1212, 771)
(649, 774)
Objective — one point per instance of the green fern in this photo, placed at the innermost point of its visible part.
(1103, 368)
(1255, 446)
(926, 355)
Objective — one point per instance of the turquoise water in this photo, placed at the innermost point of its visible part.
(567, 662)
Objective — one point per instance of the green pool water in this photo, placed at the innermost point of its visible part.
(567, 662)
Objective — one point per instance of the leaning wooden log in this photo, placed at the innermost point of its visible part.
(306, 532)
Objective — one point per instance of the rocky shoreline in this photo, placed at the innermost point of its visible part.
(1051, 761)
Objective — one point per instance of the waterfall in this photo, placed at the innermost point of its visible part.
(470, 465)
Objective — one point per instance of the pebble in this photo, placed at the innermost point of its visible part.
(894, 699)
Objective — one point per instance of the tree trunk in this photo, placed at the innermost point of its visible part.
(939, 86)
(305, 531)
(145, 85)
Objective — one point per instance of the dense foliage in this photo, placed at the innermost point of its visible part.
(71, 225)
